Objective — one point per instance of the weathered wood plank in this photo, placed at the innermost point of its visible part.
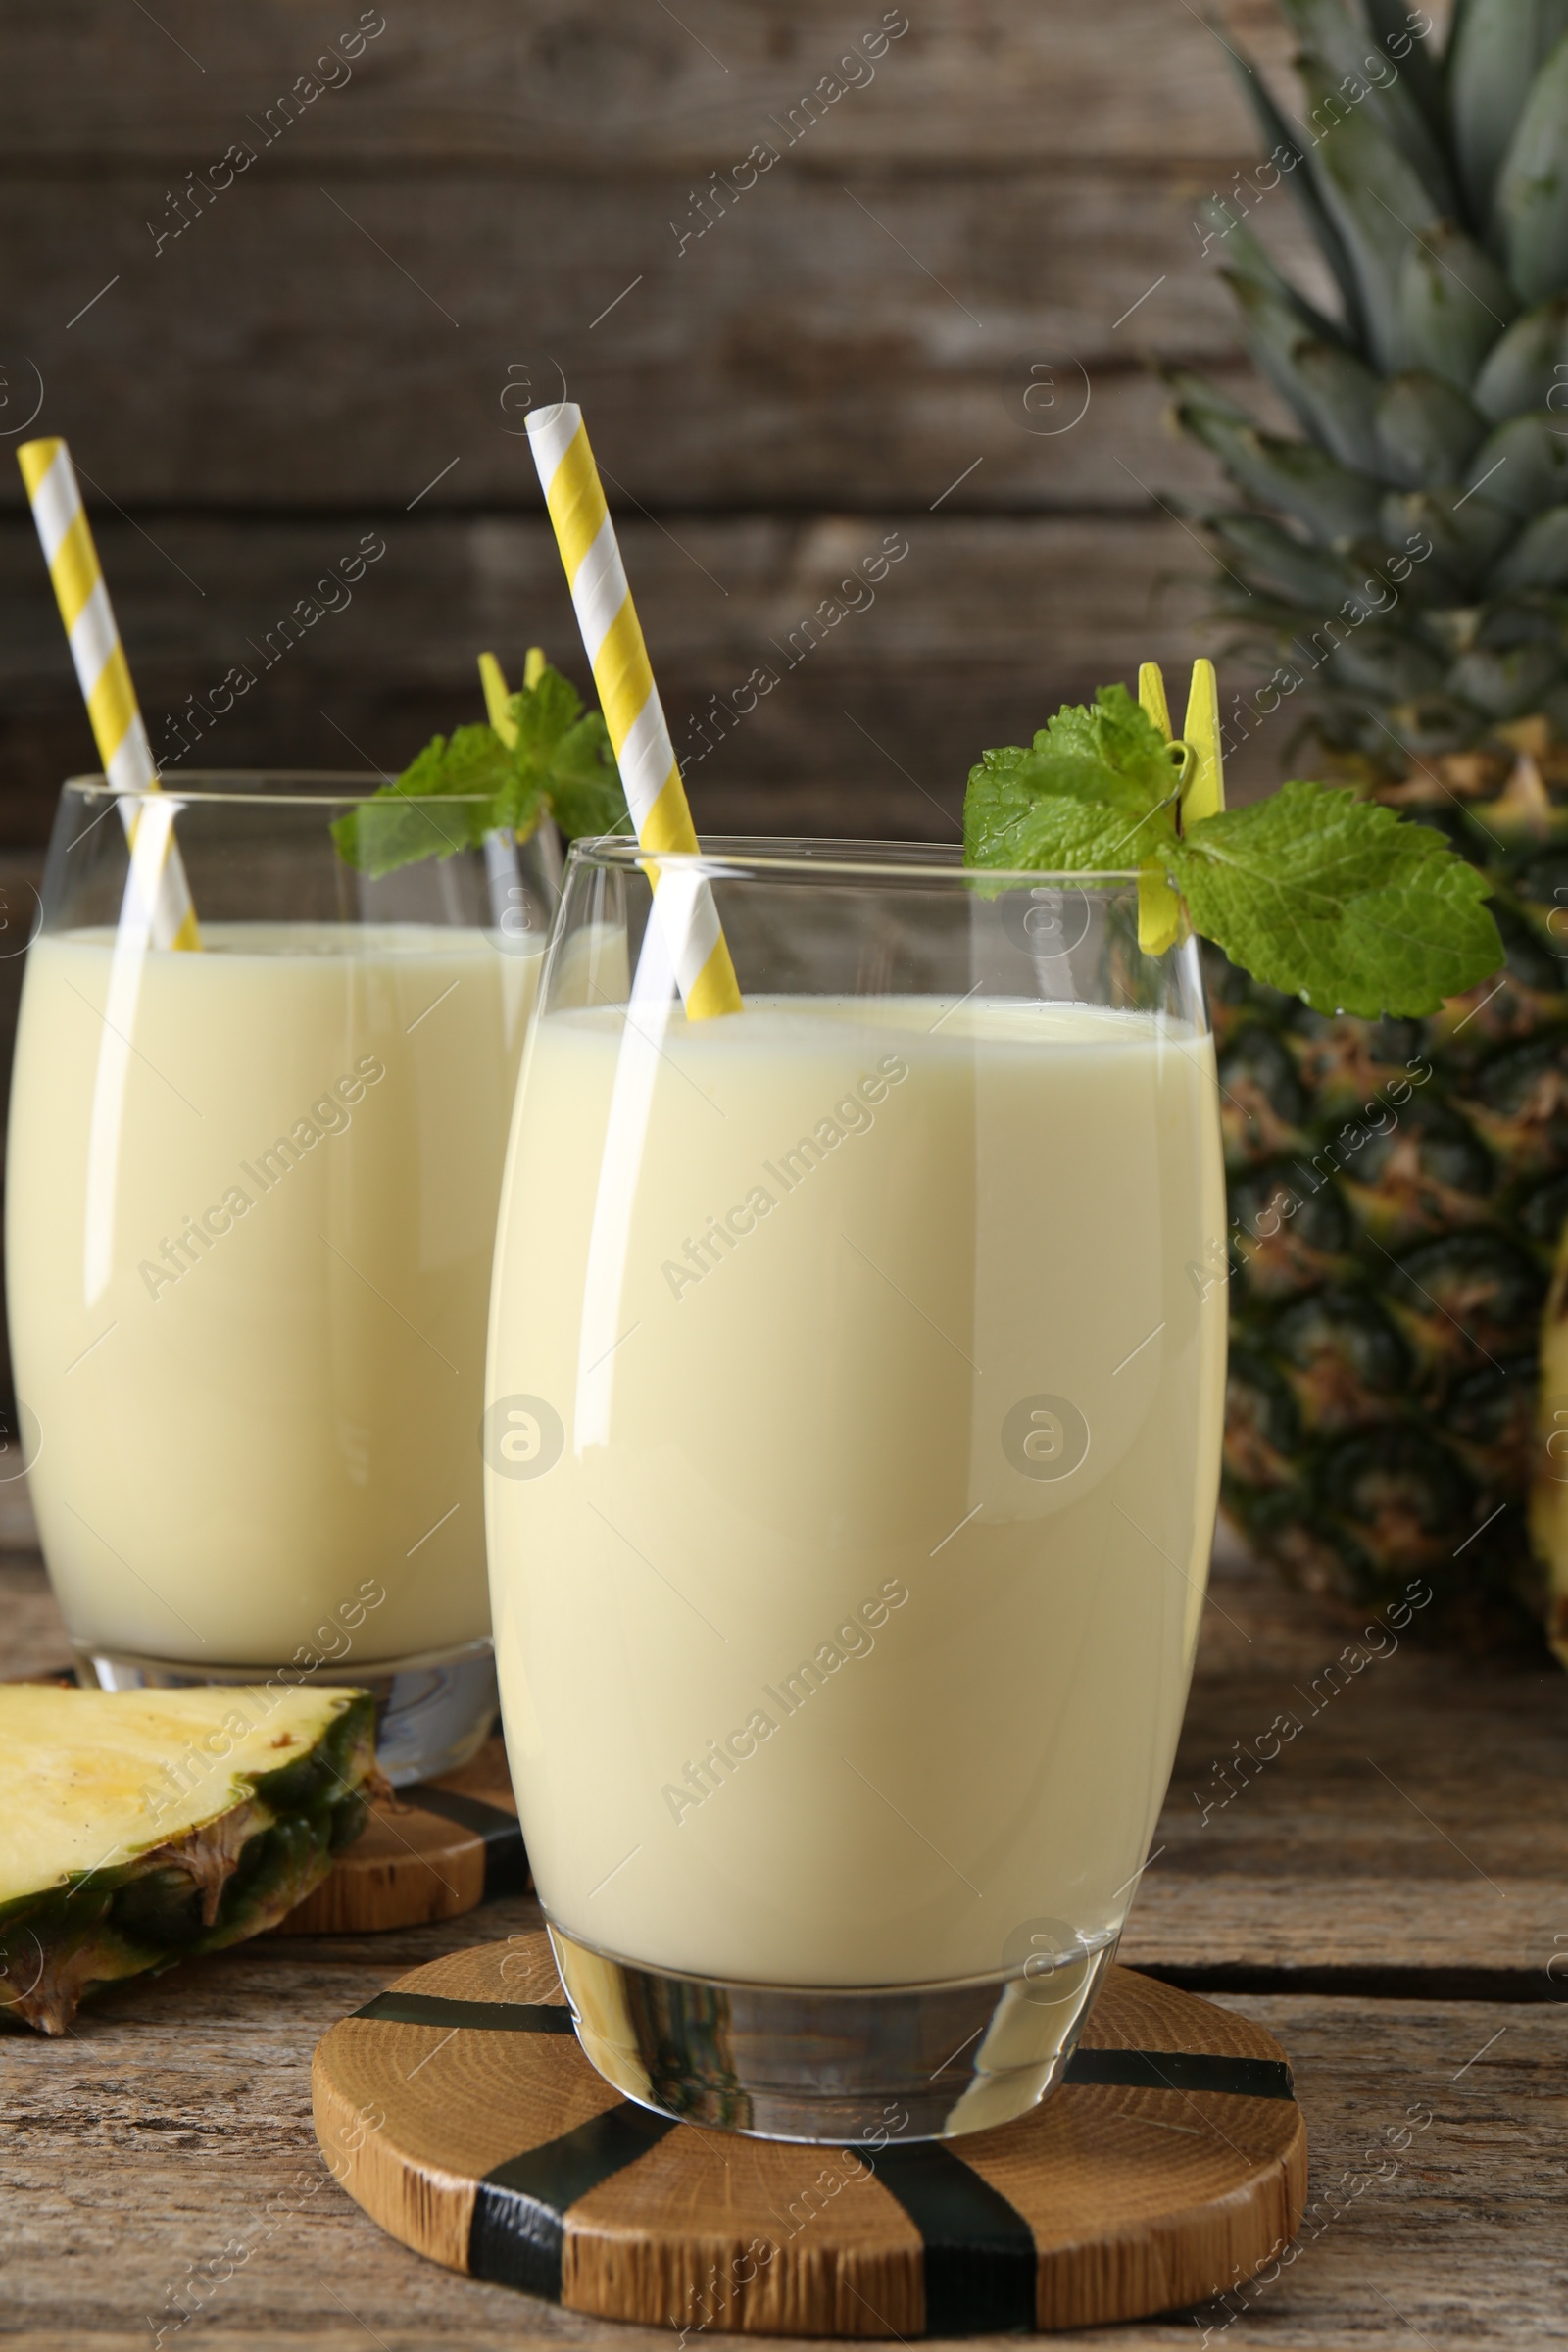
(32, 1631)
(1230, 1926)
(1362, 1714)
(828, 343)
(973, 639)
(574, 87)
(169, 2144)
(1404, 1811)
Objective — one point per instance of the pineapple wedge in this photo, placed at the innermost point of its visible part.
(138, 1827)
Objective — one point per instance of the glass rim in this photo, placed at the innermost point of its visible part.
(351, 789)
(743, 857)
(737, 856)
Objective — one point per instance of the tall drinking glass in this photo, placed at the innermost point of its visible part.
(852, 1431)
(251, 1200)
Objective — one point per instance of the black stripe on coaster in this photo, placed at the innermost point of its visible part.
(1182, 2069)
(486, 2017)
(981, 2267)
(519, 2215)
(505, 1860)
(1122, 2069)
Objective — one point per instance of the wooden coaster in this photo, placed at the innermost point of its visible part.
(458, 2109)
(434, 1851)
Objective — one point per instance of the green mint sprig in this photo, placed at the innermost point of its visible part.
(557, 762)
(1313, 891)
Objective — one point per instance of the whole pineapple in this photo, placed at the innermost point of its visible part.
(1548, 1505)
(1398, 1188)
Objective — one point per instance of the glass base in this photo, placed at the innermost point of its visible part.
(862, 2066)
(432, 1712)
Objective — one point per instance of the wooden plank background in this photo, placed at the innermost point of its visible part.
(941, 312)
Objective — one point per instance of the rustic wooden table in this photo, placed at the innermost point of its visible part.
(1388, 1893)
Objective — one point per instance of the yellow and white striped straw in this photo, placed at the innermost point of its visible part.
(613, 638)
(104, 678)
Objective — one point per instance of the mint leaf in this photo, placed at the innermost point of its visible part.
(1041, 832)
(586, 793)
(1338, 900)
(1318, 893)
(1118, 736)
(397, 826)
(1096, 790)
(560, 765)
(563, 752)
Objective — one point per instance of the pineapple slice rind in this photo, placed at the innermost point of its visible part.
(90, 1781)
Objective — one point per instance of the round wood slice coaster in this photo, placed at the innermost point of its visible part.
(436, 1850)
(458, 2109)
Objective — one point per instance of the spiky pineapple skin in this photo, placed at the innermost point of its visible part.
(1396, 1189)
(1403, 557)
(1549, 1499)
(176, 1878)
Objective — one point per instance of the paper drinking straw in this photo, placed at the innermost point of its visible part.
(105, 680)
(1202, 794)
(613, 638)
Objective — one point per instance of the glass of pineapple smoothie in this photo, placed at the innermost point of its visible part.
(851, 1455)
(251, 1203)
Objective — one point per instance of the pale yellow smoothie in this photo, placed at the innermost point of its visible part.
(251, 1197)
(853, 1446)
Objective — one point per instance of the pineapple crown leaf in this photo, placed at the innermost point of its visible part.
(1336, 46)
(1297, 478)
(1530, 205)
(1314, 891)
(1434, 180)
(1495, 52)
(1251, 266)
(1282, 144)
